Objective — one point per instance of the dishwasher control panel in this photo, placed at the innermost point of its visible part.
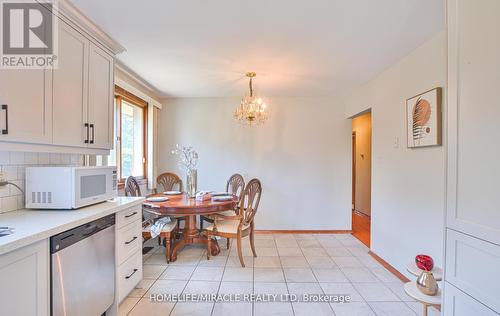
(72, 236)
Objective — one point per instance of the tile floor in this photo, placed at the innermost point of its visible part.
(286, 264)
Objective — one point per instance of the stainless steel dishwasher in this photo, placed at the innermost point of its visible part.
(83, 269)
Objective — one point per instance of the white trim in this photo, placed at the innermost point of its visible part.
(137, 78)
(43, 148)
(151, 149)
(69, 11)
(123, 84)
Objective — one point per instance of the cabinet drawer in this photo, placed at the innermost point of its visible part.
(472, 266)
(128, 240)
(457, 303)
(128, 216)
(129, 274)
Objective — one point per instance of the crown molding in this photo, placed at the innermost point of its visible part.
(140, 81)
(136, 77)
(70, 13)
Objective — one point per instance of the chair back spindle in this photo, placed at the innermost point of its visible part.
(168, 181)
(250, 200)
(235, 185)
(132, 187)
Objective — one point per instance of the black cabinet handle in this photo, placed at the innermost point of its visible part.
(130, 215)
(6, 129)
(92, 128)
(131, 240)
(87, 126)
(131, 274)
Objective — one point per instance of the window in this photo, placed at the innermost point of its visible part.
(129, 154)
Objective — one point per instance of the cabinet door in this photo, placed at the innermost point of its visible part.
(457, 303)
(26, 111)
(474, 109)
(70, 88)
(26, 106)
(471, 266)
(100, 104)
(24, 274)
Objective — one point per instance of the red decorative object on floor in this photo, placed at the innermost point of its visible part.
(424, 262)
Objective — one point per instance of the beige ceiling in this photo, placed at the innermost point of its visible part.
(202, 48)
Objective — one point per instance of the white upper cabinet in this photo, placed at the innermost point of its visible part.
(25, 105)
(83, 92)
(68, 108)
(26, 109)
(474, 109)
(100, 104)
(70, 90)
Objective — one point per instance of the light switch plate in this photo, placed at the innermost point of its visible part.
(395, 144)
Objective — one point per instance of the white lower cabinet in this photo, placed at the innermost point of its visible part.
(457, 303)
(25, 281)
(128, 251)
(471, 266)
(129, 274)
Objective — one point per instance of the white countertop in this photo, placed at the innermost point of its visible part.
(31, 226)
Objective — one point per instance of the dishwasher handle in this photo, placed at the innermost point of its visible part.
(72, 236)
(90, 230)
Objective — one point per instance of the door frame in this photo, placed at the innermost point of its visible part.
(353, 153)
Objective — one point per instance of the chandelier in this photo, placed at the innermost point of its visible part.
(252, 110)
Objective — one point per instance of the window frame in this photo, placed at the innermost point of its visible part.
(123, 95)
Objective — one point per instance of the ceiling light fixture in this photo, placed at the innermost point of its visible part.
(252, 110)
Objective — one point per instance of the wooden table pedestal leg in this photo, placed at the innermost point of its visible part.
(191, 235)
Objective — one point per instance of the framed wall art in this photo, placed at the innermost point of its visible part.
(423, 119)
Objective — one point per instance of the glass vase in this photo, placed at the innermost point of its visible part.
(191, 182)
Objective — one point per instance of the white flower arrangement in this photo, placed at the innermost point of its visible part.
(188, 157)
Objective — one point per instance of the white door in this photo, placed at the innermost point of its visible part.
(25, 106)
(100, 103)
(70, 88)
(24, 274)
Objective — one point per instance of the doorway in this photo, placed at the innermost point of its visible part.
(361, 176)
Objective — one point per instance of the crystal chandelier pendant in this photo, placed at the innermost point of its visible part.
(252, 110)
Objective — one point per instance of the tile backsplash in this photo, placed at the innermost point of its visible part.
(13, 165)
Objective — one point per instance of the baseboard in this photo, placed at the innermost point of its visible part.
(391, 269)
(285, 231)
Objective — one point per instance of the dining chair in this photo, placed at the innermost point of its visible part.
(241, 224)
(168, 181)
(235, 185)
(168, 231)
(132, 187)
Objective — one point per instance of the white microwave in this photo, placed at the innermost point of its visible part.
(69, 187)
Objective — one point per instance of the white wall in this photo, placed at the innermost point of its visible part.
(301, 155)
(408, 185)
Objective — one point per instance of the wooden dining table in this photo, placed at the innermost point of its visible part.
(182, 206)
